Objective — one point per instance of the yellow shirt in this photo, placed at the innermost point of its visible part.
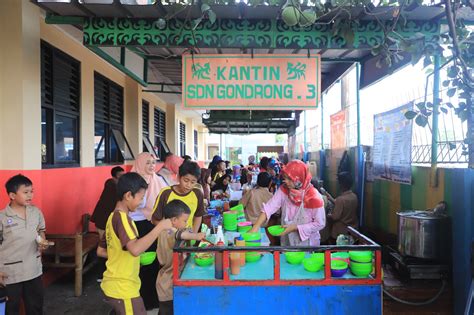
(193, 199)
(121, 280)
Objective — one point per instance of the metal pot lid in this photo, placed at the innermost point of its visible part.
(424, 214)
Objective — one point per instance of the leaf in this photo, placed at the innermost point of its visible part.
(196, 22)
(205, 7)
(446, 83)
(421, 106)
(421, 121)
(426, 61)
(452, 145)
(453, 72)
(451, 92)
(443, 109)
(410, 114)
(450, 105)
(212, 16)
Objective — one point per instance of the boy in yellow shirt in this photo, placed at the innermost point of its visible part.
(122, 247)
(189, 173)
(178, 212)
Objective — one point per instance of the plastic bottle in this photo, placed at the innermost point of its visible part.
(218, 268)
(241, 242)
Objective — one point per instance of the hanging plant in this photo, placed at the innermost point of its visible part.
(291, 13)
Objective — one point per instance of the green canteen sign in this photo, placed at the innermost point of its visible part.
(263, 82)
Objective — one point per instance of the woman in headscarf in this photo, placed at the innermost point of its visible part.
(145, 166)
(302, 208)
(169, 171)
(221, 188)
(216, 159)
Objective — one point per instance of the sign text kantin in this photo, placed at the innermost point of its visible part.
(263, 82)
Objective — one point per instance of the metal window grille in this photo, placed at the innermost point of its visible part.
(145, 117)
(196, 145)
(182, 138)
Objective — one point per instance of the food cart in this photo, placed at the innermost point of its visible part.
(273, 286)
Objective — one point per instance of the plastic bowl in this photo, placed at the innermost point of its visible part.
(252, 256)
(294, 258)
(275, 230)
(361, 256)
(343, 256)
(255, 236)
(204, 259)
(312, 264)
(319, 257)
(338, 268)
(239, 207)
(244, 229)
(361, 269)
(147, 258)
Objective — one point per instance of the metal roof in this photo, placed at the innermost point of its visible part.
(166, 61)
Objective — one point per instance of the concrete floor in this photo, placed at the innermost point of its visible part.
(60, 299)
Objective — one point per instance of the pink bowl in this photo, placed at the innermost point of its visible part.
(246, 223)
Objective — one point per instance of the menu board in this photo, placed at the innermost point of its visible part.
(392, 145)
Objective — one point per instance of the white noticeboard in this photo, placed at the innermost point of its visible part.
(392, 145)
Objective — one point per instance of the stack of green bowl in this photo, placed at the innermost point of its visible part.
(240, 212)
(230, 221)
(251, 240)
(361, 263)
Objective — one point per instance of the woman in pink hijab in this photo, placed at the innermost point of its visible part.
(145, 166)
(169, 171)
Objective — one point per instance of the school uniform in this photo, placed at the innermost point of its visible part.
(20, 259)
(121, 283)
(194, 200)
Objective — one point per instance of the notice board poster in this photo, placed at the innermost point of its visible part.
(338, 130)
(392, 145)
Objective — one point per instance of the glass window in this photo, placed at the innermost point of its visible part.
(122, 145)
(65, 148)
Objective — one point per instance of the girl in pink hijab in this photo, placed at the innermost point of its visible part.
(169, 170)
(145, 166)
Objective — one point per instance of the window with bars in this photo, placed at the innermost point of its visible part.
(196, 145)
(159, 119)
(147, 144)
(111, 146)
(60, 107)
(182, 139)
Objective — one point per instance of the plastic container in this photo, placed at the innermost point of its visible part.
(251, 240)
(239, 207)
(146, 258)
(294, 258)
(241, 243)
(219, 267)
(204, 259)
(338, 268)
(275, 230)
(343, 256)
(312, 264)
(361, 269)
(361, 256)
(319, 257)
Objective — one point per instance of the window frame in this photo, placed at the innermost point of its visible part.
(182, 138)
(54, 108)
(161, 146)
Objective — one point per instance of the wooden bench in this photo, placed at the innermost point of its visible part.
(71, 251)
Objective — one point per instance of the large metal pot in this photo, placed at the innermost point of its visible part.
(424, 234)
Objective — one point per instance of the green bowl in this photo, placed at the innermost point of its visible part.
(319, 257)
(338, 265)
(361, 256)
(275, 230)
(251, 236)
(147, 258)
(294, 258)
(204, 261)
(239, 207)
(312, 264)
(244, 229)
(361, 269)
(252, 256)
